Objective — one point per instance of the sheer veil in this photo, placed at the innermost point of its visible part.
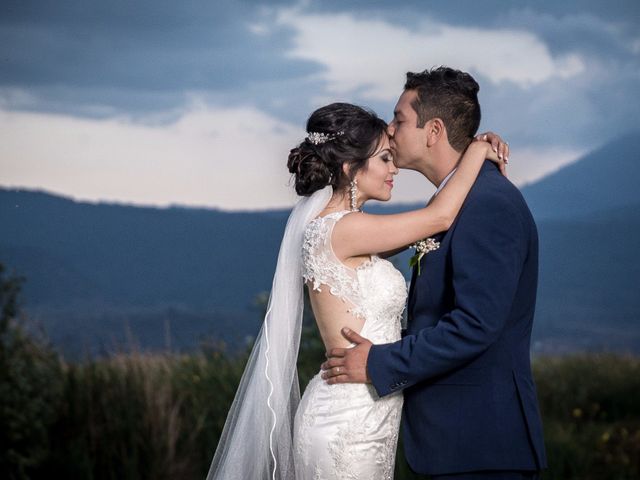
(257, 439)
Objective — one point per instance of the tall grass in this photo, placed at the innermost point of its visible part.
(142, 416)
(591, 411)
(137, 415)
(159, 416)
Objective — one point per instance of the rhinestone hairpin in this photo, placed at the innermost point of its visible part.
(318, 138)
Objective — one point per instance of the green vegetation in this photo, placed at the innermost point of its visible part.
(158, 416)
(30, 388)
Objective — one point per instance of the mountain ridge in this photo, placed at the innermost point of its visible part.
(95, 270)
(593, 182)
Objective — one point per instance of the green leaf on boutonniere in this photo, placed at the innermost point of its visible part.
(422, 248)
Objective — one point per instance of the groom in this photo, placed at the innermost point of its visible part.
(470, 407)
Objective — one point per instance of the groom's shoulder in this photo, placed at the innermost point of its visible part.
(494, 191)
(492, 186)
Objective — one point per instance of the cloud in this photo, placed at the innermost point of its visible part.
(368, 56)
(155, 103)
(136, 57)
(530, 163)
(231, 158)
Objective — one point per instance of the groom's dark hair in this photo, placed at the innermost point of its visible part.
(450, 95)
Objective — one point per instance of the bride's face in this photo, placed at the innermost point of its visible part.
(375, 180)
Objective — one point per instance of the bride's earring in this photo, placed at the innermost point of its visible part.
(353, 191)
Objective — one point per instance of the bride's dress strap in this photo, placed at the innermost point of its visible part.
(321, 266)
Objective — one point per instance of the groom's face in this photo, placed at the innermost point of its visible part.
(408, 141)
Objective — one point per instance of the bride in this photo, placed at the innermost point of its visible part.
(338, 251)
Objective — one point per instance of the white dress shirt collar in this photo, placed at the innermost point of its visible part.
(444, 182)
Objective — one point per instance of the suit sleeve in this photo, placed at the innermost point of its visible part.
(488, 248)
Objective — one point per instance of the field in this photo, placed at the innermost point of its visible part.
(136, 415)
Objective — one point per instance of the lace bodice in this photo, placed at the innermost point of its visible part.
(376, 289)
(345, 431)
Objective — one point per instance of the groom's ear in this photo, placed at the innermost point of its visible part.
(434, 130)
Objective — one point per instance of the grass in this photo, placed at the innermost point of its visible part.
(159, 416)
(135, 416)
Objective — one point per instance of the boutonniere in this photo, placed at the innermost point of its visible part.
(422, 248)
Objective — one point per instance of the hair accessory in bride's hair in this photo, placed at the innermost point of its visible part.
(318, 138)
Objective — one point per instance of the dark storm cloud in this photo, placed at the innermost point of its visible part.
(109, 52)
(489, 13)
(102, 58)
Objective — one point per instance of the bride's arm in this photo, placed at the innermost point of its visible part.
(499, 146)
(362, 234)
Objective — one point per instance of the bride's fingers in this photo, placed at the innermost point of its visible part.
(503, 151)
(503, 168)
(495, 145)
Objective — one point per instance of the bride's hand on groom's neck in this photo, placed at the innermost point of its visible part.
(498, 145)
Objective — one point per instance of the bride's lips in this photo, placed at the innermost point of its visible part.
(389, 182)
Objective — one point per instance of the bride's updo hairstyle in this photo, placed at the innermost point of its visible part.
(336, 134)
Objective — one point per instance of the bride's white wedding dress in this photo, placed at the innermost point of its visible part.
(345, 431)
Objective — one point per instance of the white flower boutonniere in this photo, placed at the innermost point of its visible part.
(422, 248)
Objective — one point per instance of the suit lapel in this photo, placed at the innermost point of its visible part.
(414, 278)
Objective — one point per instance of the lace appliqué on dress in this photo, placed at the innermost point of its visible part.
(321, 266)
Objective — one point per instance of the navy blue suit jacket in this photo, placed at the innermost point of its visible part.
(463, 361)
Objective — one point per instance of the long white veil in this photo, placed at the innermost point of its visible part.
(257, 439)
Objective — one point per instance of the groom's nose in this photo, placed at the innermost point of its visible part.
(391, 129)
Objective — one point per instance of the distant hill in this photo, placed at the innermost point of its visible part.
(102, 274)
(81, 252)
(602, 180)
(95, 266)
(588, 288)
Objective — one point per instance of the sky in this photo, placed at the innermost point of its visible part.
(197, 103)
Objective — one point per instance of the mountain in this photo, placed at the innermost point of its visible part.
(605, 179)
(588, 216)
(93, 269)
(101, 275)
(81, 252)
(588, 287)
